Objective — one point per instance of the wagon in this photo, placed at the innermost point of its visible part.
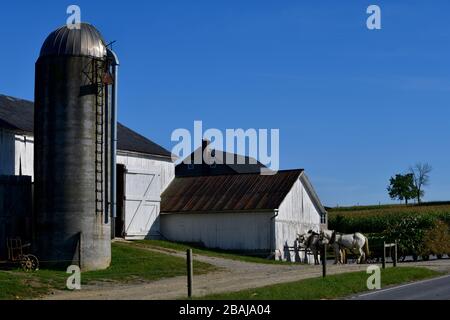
(17, 255)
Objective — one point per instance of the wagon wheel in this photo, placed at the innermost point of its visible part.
(29, 263)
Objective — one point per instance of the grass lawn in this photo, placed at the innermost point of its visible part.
(333, 286)
(160, 244)
(128, 264)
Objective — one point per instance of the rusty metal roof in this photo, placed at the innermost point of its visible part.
(235, 192)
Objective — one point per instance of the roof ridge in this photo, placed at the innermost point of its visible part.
(299, 170)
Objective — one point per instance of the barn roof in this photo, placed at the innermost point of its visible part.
(238, 163)
(17, 115)
(231, 192)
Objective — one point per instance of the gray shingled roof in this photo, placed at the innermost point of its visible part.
(17, 115)
(238, 164)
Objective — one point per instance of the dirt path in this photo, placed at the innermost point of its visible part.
(233, 276)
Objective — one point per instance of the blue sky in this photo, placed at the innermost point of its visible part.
(353, 106)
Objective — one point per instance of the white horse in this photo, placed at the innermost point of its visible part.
(310, 240)
(355, 241)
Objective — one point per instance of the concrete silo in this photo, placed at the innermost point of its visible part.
(73, 97)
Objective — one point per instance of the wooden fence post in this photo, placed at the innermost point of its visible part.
(384, 255)
(324, 261)
(395, 254)
(190, 271)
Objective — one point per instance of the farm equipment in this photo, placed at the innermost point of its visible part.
(17, 255)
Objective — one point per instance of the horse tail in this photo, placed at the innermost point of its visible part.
(366, 247)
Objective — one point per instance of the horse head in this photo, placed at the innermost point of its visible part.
(326, 236)
(301, 238)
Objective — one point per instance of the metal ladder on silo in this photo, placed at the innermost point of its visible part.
(99, 135)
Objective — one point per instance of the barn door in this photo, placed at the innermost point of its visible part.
(142, 201)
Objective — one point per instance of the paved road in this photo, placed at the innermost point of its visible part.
(433, 289)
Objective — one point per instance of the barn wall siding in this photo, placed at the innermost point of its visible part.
(166, 168)
(297, 214)
(228, 231)
(16, 153)
(24, 156)
(143, 193)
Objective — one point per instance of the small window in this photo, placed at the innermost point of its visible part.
(323, 218)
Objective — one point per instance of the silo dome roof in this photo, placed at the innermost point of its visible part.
(86, 41)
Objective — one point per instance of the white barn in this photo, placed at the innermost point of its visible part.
(247, 212)
(145, 169)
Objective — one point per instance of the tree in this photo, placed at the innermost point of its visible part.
(421, 176)
(402, 187)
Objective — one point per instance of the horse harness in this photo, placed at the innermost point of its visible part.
(335, 239)
(313, 234)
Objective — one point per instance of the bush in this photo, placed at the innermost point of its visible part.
(409, 232)
(436, 240)
(420, 230)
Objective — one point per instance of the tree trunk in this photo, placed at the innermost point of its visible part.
(418, 195)
(406, 201)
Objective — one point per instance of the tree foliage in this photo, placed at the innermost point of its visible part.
(402, 187)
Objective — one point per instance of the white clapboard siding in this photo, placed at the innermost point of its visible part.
(146, 178)
(297, 214)
(229, 231)
(24, 155)
(16, 153)
(164, 166)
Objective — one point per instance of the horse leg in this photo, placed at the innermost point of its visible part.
(344, 256)
(362, 255)
(337, 255)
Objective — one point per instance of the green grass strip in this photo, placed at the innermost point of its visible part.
(331, 287)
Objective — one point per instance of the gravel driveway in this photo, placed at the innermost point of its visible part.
(233, 276)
